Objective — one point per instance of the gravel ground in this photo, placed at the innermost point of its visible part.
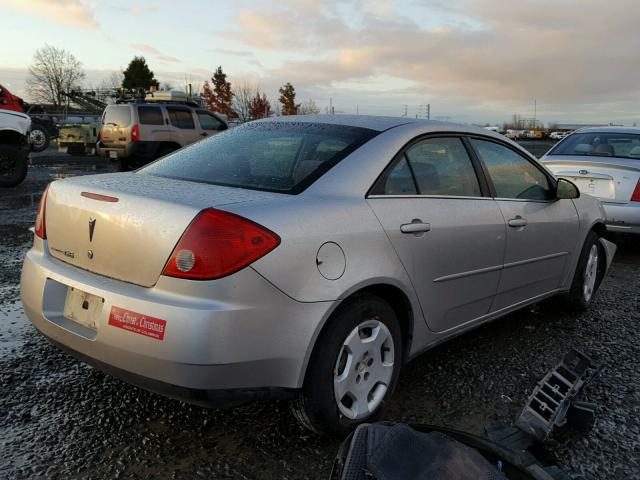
(62, 419)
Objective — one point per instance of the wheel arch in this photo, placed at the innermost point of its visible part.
(393, 295)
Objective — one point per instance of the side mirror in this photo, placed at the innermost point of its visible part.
(566, 190)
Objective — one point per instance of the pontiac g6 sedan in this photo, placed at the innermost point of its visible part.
(305, 257)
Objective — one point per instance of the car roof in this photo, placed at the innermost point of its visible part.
(635, 130)
(378, 123)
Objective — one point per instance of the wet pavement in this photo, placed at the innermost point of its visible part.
(62, 419)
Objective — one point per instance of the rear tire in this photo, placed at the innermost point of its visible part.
(354, 368)
(588, 275)
(13, 165)
(39, 138)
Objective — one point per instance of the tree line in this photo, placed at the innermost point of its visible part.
(55, 71)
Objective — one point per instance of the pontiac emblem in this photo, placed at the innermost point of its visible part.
(92, 226)
(583, 172)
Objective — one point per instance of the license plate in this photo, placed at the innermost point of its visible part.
(83, 308)
(62, 149)
(597, 187)
(113, 154)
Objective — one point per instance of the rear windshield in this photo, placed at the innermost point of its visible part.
(277, 157)
(600, 144)
(118, 115)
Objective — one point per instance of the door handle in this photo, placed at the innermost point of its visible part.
(518, 222)
(416, 226)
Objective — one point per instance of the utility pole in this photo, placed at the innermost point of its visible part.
(427, 111)
(406, 107)
(330, 105)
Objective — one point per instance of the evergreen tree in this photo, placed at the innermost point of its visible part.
(288, 99)
(260, 107)
(219, 98)
(138, 75)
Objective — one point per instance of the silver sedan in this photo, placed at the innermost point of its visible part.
(605, 163)
(305, 257)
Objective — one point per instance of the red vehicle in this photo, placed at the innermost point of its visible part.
(9, 101)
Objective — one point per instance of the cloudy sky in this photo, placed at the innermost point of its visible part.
(472, 60)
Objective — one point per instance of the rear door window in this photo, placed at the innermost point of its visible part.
(149, 115)
(398, 180)
(117, 115)
(442, 167)
(181, 118)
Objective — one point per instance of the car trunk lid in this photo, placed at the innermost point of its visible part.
(611, 180)
(125, 226)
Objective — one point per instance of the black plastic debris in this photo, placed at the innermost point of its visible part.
(552, 403)
(388, 451)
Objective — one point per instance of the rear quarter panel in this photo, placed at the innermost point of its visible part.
(304, 225)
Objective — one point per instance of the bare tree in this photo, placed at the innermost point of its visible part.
(54, 71)
(112, 82)
(309, 108)
(243, 94)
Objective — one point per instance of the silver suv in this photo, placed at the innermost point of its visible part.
(139, 132)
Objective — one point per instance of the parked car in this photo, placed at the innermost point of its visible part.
(558, 135)
(14, 145)
(305, 257)
(604, 162)
(141, 131)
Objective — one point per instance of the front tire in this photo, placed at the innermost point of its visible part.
(588, 275)
(354, 368)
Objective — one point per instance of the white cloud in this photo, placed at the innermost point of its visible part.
(72, 13)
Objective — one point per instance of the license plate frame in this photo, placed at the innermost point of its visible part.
(85, 314)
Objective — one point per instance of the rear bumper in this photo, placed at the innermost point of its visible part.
(623, 217)
(142, 151)
(196, 396)
(213, 351)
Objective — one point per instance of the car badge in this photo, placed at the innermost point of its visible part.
(92, 226)
(583, 172)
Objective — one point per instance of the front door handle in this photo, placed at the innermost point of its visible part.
(518, 222)
(416, 226)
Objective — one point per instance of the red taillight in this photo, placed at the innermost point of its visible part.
(40, 229)
(135, 133)
(217, 244)
(636, 193)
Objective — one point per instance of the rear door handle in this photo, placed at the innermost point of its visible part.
(416, 226)
(518, 222)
